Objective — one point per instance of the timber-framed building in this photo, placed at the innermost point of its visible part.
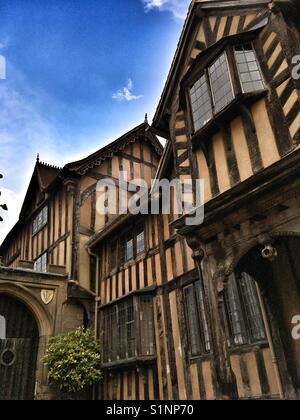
(183, 312)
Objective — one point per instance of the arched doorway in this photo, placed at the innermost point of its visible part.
(278, 281)
(18, 350)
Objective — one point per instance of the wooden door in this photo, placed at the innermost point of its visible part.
(18, 350)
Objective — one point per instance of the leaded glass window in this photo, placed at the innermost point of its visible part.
(127, 248)
(40, 264)
(147, 326)
(132, 243)
(243, 310)
(128, 329)
(214, 90)
(252, 308)
(235, 314)
(201, 103)
(196, 319)
(248, 67)
(140, 239)
(221, 85)
(40, 220)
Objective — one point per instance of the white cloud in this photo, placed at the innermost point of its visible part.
(24, 132)
(177, 7)
(126, 94)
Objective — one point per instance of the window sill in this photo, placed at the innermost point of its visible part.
(201, 357)
(139, 257)
(145, 291)
(113, 272)
(133, 362)
(248, 348)
(225, 115)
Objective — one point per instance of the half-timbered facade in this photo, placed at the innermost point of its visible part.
(58, 217)
(230, 111)
(59, 211)
(221, 312)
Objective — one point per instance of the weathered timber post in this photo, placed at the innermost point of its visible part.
(226, 386)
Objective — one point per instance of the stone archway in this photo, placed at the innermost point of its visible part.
(43, 319)
(275, 265)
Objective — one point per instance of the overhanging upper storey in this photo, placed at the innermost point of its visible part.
(207, 24)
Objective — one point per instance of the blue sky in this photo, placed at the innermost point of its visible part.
(79, 73)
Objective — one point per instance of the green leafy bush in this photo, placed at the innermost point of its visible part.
(73, 361)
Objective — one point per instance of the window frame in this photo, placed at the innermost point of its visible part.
(129, 234)
(249, 339)
(200, 66)
(44, 220)
(234, 76)
(139, 229)
(226, 53)
(40, 258)
(117, 354)
(203, 351)
(125, 240)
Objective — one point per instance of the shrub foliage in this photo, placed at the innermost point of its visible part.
(73, 361)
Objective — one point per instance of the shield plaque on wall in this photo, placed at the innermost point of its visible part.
(47, 296)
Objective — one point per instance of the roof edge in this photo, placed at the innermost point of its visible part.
(81, 166)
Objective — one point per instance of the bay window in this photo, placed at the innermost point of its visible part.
(233, 72)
